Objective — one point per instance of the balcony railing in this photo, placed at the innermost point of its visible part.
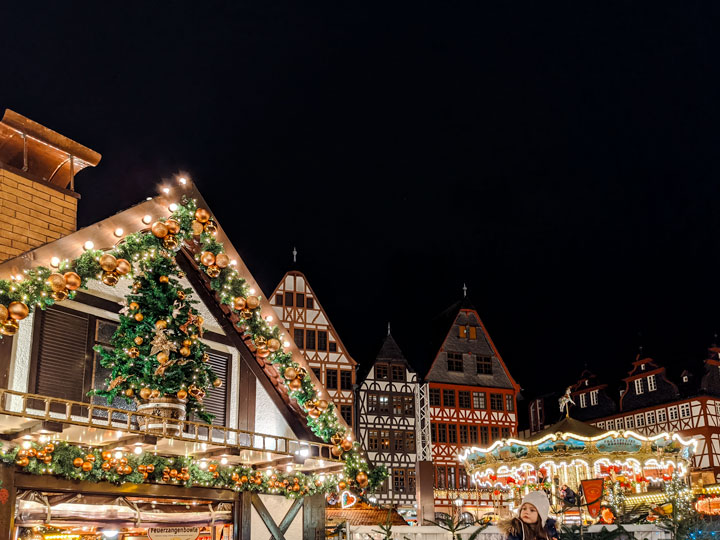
(91, 415)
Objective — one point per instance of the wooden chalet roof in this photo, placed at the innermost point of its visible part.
(362, 514)
(569, 425)
(130, 220)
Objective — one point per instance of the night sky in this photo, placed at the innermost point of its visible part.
(560, 160)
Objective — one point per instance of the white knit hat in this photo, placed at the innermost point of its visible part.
(540, 501)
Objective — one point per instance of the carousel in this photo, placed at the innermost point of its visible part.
(572, 456)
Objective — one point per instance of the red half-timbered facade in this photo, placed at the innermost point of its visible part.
(472, 399)
(299, 309)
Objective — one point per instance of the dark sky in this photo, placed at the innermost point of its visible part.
(562, 160)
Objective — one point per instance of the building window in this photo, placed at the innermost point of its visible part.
(398, 373)
(448, 398)
(464, 399)
(346, 413)
(440, 476)
(372, 403)
(398, 441)
(434, 397)
(494, 433)
(398, 480)
(629, 422)
(594, 397)
(346, 379)
(463, 434)
(442, 433)
(433, 432)
(662, 416)
(322, 340)
(451, 477)
(505, 432)
(452, 433)
(410, 442)
(472, 332)
(332, 346)
(462, 478)
(373, 439)
(299, 337)
(684, 410)
(583, 401)
(381, 372)
(673, 413)
(463, 331)
(479, 401)
(455, 361)
(639, 387)
(618, 423)
(289, 299)
(411, 480)
(509, 403)
(318, 373)
(299, 299)
(640, 420)
(483, 365)
(474, 434)
(650, 418)
(397, 405)
(278, 299)
(610, 425)
(601, 425)
(385, 440)
(383, 404)
(332, 379)
(310, 339)
(496, 402)
(652, 384)
(309, 303)
(409, 408)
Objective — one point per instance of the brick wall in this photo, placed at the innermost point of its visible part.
(32, 214)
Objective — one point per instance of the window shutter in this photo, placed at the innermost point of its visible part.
(216, 399)
(62, 355)
(463, 331)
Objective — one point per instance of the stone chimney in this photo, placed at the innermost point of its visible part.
(38, 202)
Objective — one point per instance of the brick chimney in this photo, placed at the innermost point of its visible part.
(38, 202)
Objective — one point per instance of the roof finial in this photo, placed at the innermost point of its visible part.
(294, 254)
(464, 291)
(388, 328)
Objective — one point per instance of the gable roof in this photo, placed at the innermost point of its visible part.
(102, 235)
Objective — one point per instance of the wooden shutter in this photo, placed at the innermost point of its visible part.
(62, 354)
(217, 398)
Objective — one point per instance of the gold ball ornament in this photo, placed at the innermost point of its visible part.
(59, 296)
(77, 462)
(181, 295)
(106, 455)
(290, 373)
(129, 392)
(155, 394)
(184, 351)
(49, 448)
(260, 341)
(207, 258)
(163, 357)
(110, 278)
(22, 462)
(145, 393)
(239, 303)
(222, 260)
(108, 262)
(138, 340)
(295, 384)
(202, 215)
(336, 439)
(346, 445)
(246, 314)
(31, 452)
(56, 282)
(47, 460)
(210, 227)
(150, 468)
(90, 458)
(205, 357)
(72, 280)
(262, 352)
(301, 373)
(273, 344)
(133, 306)
(4, 313)
(87, 466)
(139, 317)
(252, 302)
(164, 279)
(9, 327)
(170, 241)
(133, 352)
(172, 226)
(362, 479)
(106, 466)
(18, 310)
(187, 343)
(159, 230)
(123, 266)
(197, 228)
(213, 271)
(182, 394)
(217, 383)
(161, 324)
(313, 413)
(342, 485)
(322, 405)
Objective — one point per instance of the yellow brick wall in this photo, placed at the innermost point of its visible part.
(32, 214)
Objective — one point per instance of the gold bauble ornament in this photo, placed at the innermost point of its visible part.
(295, 384)
(273, 344)
(9, 327)
(252, 302)
(172, 226)
(322, 404)
(182, 394)
(145, 393)
(123, 267)
(77, 462)
(22, 462)
(139, 317)
(133, 306)
(213, 271)
(18, 310)
(129, 392)
(246, 314)
(49, 448)
(313, 413)
(337, 451)
(47, 460)
(202, 215)
(72, 280)
(262, 352)
(336, 439)
(362, 479)
(106, 466)
(346, 445)
(155, 394)
(238, 303)
(187, 343)
(222, 260)
(206, 358)
(59, 296)
(210, 227)
(260, 341)
(301, 373)
(110, 278)
(56, 282)
(197, 228)
(163, 357)
(181, 295)
(164, 279)
(4, 313)
(184, 351)
(207, 258)
(108, 262)
(170, 241)
(161, 323)
(290, 373)
(217, 383)
(87, 466)
(158, 229)
(150, 468)
(133, 352)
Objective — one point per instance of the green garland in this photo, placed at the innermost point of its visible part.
(152, 256)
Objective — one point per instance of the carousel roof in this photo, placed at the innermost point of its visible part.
(570, 425)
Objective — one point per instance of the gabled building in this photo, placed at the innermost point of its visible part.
(387, 401)
(472, 397)
(591, 397)
(298, 308)
(646, 385)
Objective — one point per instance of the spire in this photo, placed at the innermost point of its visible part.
(294, 255)
(464, 291)
(388, 328)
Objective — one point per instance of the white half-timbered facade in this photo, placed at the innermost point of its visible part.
(299, 310)
(387, 423)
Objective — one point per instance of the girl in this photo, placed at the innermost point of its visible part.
(532, 522)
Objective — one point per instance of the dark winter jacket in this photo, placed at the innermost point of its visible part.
(513, 529)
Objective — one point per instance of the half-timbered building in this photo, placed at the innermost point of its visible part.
(386, 423)
(472, 397)
(299, 310)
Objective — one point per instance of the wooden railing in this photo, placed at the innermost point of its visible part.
(75, 413)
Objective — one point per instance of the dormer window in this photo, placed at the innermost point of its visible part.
(685, 378)
(583, 401)
(652, 384)
(587, 383)
(639, 389)
(642, 367)
(594, 397)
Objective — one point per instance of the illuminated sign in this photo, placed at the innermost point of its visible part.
(173, 533)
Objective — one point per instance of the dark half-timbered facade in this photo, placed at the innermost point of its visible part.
(472, 398)
(591, 397)
(387, 401)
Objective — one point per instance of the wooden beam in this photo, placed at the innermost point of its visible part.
(218, 452)
(45, 425)
(314, 517)
(134, 439)
(242, 515)
(273, 462)
(267, 519)
(290, 516)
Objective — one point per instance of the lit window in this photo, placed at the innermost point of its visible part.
(509, 403)
(639, 386)
(479, 401)
(652, 384)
